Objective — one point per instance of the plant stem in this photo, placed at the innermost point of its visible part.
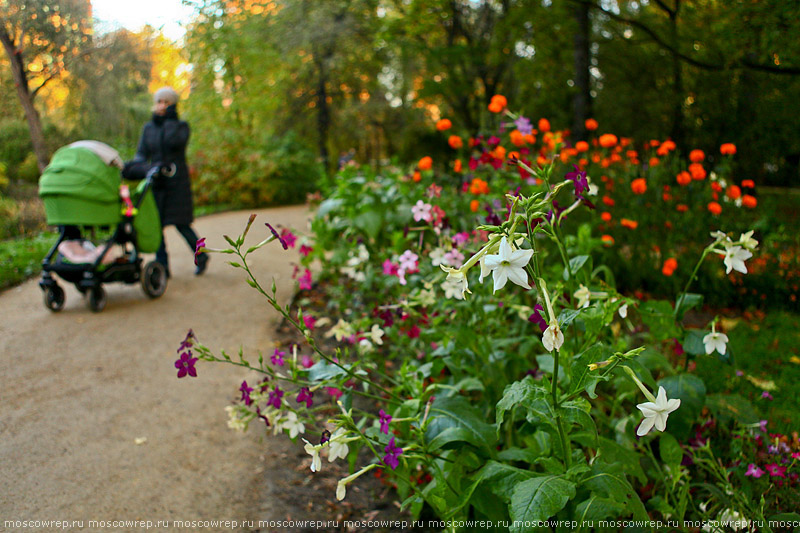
(556, 405)
(689, 282)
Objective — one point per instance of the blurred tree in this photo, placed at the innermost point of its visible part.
(40, 39)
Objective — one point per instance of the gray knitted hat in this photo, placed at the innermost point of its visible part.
(166, 93)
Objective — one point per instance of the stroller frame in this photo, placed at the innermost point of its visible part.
(88, 278)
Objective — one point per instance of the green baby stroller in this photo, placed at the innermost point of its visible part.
(82, 190)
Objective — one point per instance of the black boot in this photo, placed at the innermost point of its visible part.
(202, 263)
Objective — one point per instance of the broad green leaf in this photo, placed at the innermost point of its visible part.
(687, 301)
(577, 412)
(628, 461)
(615, 487)
(370, 222)
(691, 391)
(518, 454)
(582, 378)
(538, 499)
(597, 508)
(575, 265)
(670, 450)
(728, 407)
(457, 412)
(501, 478)
(693, 342)
(322, 371)
(514, 395)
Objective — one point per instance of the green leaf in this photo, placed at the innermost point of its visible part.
(577, 412)
(582, 378)
(538, 499)
(513, 395)
(322, 371)
(575, 265)
(615, 487)
(502, 478)
(597, 508)
(370, 222)
(687, 301)
(657, 316)
(614, 455)
(566, 316)
(526, 455)
(693, 342)
(328, 206)
(727, 407)
(691, 391)
(457, 412)
(670, 450)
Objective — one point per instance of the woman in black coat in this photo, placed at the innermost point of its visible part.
(164, 141)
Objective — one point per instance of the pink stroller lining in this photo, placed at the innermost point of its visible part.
(80, 251)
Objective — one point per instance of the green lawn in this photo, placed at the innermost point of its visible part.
(22, 258)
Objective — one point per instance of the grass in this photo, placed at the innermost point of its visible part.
(766, 350)
(22, 257)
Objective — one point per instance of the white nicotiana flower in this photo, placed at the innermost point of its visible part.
(656, 413)
(452, 289)
(338, 445)
(748, 241)
(457, 277)
(313, 451)
(294, 425)
(715, 341)
(341, 330)
(623, 311)
(583, 294)
(734, 258)
(376, 334)
(552, 338)
(437, 257)
(365, 345)
(508, 264)
(234, 421)
(341, 490)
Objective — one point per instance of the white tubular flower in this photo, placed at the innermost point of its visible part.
(341, 490)
(341, 486)
(715, 341)
(457, 278)
(437, 257)
(376, 334)
(294, 425)
(734, 258)
(509, 264)
(748, 241)
(656, 413)
(552, 338)
(623, 311)
(583, 294)
(313, 451)
(338, 446)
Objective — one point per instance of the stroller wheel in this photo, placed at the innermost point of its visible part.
(154, 279)
(54, 298)
(97, 298)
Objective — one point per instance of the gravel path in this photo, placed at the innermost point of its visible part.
(96, 426)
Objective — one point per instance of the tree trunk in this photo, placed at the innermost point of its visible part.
(26, 100)
(582, 100)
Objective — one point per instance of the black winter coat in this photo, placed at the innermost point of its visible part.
(164, 140)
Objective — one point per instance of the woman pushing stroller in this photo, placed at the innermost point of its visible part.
(163, 140)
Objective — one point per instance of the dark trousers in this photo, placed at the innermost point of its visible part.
(188, 234)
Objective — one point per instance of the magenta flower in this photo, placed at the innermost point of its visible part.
(187, 342)
(763, 426)
(385, 419)
(198, 248)
(776, 471)
(309, 321)
(305, 250)
(766, 395)
(306, 361)
(389, 268)
(537, 318)
(275, 397)
(185, 364)
(754, 471)
(304, 283)
(246, 393)
(578, 177)
(306, 396)
(334, 392)
(288, 237)
(275, 234)
(277, 357)
(392, 453)
(460, 238)
(796, 455)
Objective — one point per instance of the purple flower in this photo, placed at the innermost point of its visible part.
(275, 234)
(275, 397)
(304, 282)
(766, 395)
(306, 361)
(325, 437)
(277, 357)
(246, 393)
(288, 237)
(493, 141)
(187, 342)
(392, 453)
(306, 396)
(763, 426)
(739, 373)
(524, 125)
(537, 317)
(333, 391)
(198, 248)
(262, 417)
(385, 419)
(305, 250)
(185, 364)
(578, 177)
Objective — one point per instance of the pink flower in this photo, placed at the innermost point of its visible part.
(305, 250)
(288, 237)
(422, 211)
(277, 357)
(389, 268)
(776, 471)
(763, 426)
(333, 391)
(434, 191)
(306, 361)
(305, 280)
(454, 257)
(796, 455)
(766, 395)
(754, 471)
(408, 261)
(460, 238)
(309, 321)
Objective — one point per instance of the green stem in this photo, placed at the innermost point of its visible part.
(556, 404)
(689, 282)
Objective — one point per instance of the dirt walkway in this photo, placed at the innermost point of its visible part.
(96, 426)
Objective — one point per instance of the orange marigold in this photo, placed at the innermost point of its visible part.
(682, 208)
(653, 162)
(425, 163)
(417, 176)
(530, 139)
(727, 149)
(608, 240)
(714, 208)
(455, 142)
(478, 186)
(444, 124)
(608, 201)
(499, 152)
(517, 138)
(750, 184)
(473, 205)
(697, 171)
(683, 178)
(749, 201)
(628, 223)
(733, 192)
(697, 156)
(582, 146)
(498, 103)
(607, 140)
(639, 186)
(544, 125)
(669, 266)
(591, 124)
(457, 165)
(606, 216)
